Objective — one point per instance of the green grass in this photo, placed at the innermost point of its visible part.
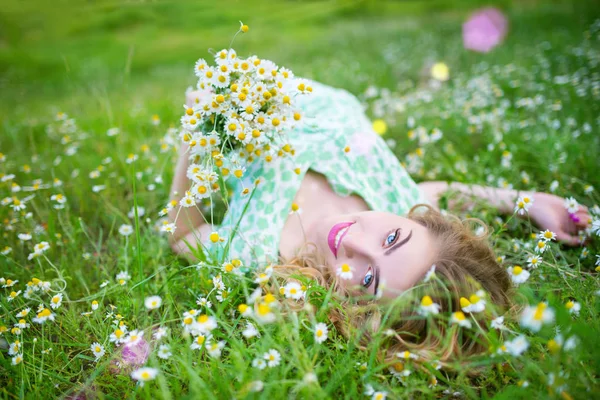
(109, 64)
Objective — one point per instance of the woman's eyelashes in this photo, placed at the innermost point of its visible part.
(394, 237)
(369, 277)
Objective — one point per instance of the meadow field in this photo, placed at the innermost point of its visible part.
(90, 291)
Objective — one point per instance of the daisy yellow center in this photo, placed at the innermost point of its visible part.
(345, 267)
(517, 270)
(541, 245)
(295, 207)
(426, 301)
(188, 320)
(319, 332)
(570, 305)
(242, 308)
(200, 339)
(145, 375)
(406, 354)
(459, 316)
(55, 299)
(548, 235)
(539, 311)
(464, 302)
(263, 309)
(119, 333)
(98, 349)
(45, 313)
(398, 367)
(293, 291)
(203, 318)
(269, 298)
(474, 299)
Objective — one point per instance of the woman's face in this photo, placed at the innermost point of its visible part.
(384, 251)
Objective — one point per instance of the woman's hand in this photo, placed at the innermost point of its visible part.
(549, 212)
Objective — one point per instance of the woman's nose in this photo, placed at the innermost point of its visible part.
(355, 245)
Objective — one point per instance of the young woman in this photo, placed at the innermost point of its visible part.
(342, 209)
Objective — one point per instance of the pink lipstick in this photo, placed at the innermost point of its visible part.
(336, 234)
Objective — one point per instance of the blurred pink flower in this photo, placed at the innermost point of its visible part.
(136, 354)
(132, 356)
(485, 29)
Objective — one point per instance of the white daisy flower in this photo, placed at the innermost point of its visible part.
(518, 275)
(517, 346)
(205, 323)
(199, 341)
(345, 272)
(204, 302)
(427, 306)
(134, 337)
(460, 319)
(153, 302)
(214, 348)
(43, 315)
(573, 307)
(534, 261)
(123, 277)
(24, 236)
(523, 204)
(541, 246)
(498, 323)
(164, 352)
(125, 230)
(473, 304)
(533, 317)
(259, 363)
(56, 301)
(407, 355)
(144, 374)
(571, 205)
(293, 290)
(272, 357)
(160, 333)
(547, 235)
(98, 350)
(250, 331)
(118, 336)
(321, 332)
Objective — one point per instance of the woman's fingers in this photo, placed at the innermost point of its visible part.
(567, 239)
(584, 218)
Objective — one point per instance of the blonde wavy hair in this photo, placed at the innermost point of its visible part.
(464, 264)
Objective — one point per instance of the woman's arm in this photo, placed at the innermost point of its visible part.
(503, 199)
(547, 210)
(190, 223)
(189, 217)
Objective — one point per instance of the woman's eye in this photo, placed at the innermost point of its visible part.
(391, 238)
(368, 278)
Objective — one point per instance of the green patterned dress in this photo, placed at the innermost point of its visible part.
(333, 119)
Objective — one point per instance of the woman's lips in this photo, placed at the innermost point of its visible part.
(333, 233)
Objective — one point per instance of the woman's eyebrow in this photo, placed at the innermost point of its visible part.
(376, 279)
(399, 244)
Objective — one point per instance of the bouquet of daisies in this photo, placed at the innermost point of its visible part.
(245, 108)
